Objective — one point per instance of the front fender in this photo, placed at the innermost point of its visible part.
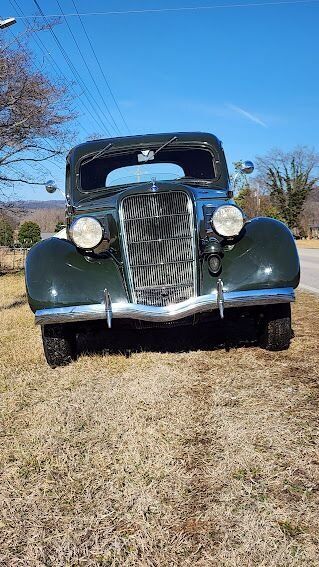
(58, 275)
(265, 256)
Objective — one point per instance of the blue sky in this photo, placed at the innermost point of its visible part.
(248, 74)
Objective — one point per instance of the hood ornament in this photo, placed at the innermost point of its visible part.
(154, 187)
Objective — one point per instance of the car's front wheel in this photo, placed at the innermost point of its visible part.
(275, 327)
(59, 344)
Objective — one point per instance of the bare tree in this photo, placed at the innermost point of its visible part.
(255, 202)
(34, 116)
(309, 217)
(289, 178)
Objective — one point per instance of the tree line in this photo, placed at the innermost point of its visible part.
(28, 234)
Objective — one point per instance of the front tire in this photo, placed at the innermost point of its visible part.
(275, 327)
(59, 344)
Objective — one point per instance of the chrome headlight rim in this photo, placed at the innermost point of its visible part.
(225, 233)
(85, 246)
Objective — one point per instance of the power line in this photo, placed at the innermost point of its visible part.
(86, 91)
(100, 67)
(47, 54)
(17, 39)
(180, 9)
(36, 39)
(88, 69)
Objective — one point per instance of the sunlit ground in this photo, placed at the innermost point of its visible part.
(167, 456)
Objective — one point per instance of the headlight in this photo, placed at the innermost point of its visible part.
(86, 232)
(227, 220)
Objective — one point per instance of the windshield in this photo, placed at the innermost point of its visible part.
(114, 170)
(143, 173)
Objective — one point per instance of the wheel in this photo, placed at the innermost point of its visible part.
(275, 327)
(59, 344)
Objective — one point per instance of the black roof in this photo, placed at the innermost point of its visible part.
(144, 139)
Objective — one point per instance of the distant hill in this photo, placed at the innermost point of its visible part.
(45, 213)
(60, 204)
(35, 205)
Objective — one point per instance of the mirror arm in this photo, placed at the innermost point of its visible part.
(62, 193)
(235, 180)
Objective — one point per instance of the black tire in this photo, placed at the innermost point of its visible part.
(59, 344)
(275, 327)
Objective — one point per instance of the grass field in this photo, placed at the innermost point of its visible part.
(184, 453)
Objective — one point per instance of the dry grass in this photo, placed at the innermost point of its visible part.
(11, 259)
(202, 457)
(314, 243)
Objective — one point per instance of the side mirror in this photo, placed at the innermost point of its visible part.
(242, 168)
(246, 167)
(51, 186)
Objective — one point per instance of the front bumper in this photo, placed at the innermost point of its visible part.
(203, 303)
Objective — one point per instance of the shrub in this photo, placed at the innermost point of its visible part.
(6, 233)
(29, 234)
(59, 225)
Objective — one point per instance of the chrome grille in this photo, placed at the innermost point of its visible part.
(158, 237)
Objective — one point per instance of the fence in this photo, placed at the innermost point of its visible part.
(12, 259)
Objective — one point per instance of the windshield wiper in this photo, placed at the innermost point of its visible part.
(99, 154)
(151, 154)
(166, 144)
(105, 150)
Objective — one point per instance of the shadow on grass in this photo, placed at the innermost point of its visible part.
(22, 300)
(205, 336)
(9, 272)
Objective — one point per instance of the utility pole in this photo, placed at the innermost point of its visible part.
(257, 200)
(257, 195)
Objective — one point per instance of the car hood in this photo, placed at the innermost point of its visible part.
(111, 200)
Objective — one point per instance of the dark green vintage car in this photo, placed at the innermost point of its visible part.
(154, 238)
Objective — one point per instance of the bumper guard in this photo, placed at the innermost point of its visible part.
(204, 303)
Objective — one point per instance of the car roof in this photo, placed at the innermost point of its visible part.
(147, 139)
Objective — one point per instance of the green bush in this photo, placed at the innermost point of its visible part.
(59, 225)
(29, 234)
(6, 233)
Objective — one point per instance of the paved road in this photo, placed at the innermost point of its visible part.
(309, 263)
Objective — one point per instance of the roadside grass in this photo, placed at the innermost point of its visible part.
(198, 457)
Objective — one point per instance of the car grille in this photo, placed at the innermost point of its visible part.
(158, 236)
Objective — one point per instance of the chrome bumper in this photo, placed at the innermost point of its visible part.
(203, 303)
